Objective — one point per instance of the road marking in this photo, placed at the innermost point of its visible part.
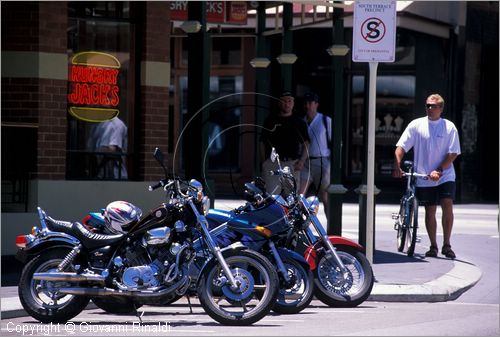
(335, 311)
(474, 304)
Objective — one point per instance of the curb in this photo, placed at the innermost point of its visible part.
(448, 287)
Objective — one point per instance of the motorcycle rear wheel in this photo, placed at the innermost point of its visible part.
(295, 297)
(41, 299)
(243, 306)
(330, 286)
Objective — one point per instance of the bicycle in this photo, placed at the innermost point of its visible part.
(406, 223)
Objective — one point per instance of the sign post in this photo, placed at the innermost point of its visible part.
(374, 40)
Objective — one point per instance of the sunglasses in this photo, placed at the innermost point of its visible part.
(433, 106)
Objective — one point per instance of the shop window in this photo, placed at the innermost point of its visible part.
(394, 110)
(224, 116)
(105, 96)
(226, 51)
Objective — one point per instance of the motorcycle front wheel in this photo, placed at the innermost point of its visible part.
(251, 300)
(295, 295)
(42, 299)
(335, 290)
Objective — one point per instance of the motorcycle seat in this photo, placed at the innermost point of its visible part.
(87, 238)
(94, 240)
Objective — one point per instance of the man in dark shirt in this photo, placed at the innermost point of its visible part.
(288, 134)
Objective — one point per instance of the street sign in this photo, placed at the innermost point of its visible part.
(374, 31)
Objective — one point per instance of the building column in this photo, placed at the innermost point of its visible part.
(336, 190)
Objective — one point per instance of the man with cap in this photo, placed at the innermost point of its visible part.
(317, 166)
(288, 134)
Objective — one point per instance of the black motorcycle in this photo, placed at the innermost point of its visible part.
(149, 262)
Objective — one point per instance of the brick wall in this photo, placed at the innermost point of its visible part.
(52, 109)
(19, 95)
(154, 100)
(35, 27)
(20, 27)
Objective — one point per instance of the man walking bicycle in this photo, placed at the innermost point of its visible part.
(435, 145)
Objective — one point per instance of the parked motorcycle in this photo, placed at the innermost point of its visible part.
(148, 260)
(296, 282)
(343, 276)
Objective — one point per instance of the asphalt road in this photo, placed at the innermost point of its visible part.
(369, 319)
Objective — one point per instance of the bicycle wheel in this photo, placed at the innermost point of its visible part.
(401, 229)
(412, 226)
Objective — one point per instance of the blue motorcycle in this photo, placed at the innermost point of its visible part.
(343, 276)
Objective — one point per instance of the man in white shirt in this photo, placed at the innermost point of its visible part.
(435, 145)
(110, 137)
(317, 166)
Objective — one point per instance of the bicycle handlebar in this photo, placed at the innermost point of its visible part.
(418, 175)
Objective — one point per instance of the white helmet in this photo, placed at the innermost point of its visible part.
(120, 215)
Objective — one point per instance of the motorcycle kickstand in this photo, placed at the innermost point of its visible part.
(189, 303)
(137, 314)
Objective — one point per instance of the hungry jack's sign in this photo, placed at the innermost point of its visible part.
(94, 93)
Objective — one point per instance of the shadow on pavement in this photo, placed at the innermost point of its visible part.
(11, 271)
(382, 256)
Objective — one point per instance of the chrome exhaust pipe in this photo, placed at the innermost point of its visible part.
(68, 277)
(95, 292)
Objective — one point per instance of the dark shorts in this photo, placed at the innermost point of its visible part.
(430, 196)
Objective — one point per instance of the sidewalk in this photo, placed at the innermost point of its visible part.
(398, 278)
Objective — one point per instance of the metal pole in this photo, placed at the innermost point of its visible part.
(370, 179)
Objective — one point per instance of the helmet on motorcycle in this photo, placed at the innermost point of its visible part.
(119, 216)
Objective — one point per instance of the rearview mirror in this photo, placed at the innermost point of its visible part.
(274, 155)
(158, 155)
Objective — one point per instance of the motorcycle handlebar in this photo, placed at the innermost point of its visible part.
(159, 184)
(275, 172)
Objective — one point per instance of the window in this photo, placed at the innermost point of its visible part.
(224, 114)
(394, 110)
(86, 159)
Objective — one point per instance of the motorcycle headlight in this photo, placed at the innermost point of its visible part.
(205, 204)
(313, 205)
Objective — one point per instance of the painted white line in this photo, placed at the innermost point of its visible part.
(192, 331)
(281, 320)
(335, 311)
(474, 304)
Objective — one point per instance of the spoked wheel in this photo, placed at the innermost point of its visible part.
(42, 299)
(338, 290)
(412, 226)
(249, 302)
(295, 295)
(401, 228)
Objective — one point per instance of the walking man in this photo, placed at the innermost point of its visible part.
(435, 145)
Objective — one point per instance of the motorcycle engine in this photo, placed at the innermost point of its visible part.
(146, 264)
(141, 277)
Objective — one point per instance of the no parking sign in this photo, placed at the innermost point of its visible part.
(374, 31)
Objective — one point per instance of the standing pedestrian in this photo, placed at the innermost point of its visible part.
(109, 140)
(317, 166)
(435, 145)
(288, 134)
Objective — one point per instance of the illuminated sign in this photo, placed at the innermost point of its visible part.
(229, 12)
(94, 94)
